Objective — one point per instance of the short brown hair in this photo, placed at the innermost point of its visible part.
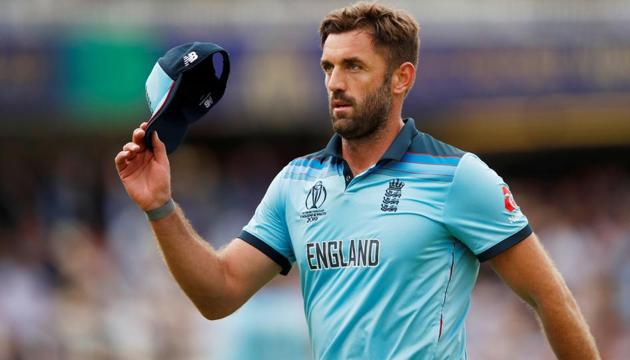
(394, 31)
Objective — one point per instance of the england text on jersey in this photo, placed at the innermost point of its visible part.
(337, 254)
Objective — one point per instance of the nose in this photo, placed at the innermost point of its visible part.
(335, 81)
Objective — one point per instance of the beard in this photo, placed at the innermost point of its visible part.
(368, 117)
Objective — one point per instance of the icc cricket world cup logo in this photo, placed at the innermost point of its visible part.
(316, 196)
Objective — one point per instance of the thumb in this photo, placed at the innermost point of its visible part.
(159, 149)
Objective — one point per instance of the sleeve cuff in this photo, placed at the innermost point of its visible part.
(505, 244)
(267, 250)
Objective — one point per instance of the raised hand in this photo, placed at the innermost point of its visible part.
(145, 174)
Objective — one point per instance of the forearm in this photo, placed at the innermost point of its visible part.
(195, 265)
(565, 327)
(217, 283)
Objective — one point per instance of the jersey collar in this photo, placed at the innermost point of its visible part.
(395, 151)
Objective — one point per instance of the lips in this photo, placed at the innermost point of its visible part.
(340, 104)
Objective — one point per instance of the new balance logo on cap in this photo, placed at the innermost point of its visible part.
(206, 101)
(190, 58)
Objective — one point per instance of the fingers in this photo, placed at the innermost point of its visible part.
(121, 160)
(132, 148)
(138, 137)
(159, 149)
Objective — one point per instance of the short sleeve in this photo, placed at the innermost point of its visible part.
(267, 230)
(480, 210)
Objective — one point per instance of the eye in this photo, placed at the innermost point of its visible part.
(327, 67)
(354, 66)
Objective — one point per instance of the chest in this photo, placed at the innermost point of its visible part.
(376, 218)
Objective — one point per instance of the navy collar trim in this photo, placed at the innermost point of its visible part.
(396, 150)
(334, 147)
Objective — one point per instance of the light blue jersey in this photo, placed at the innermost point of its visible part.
(388, 258)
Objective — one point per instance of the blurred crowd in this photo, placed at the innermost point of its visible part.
(82, 278)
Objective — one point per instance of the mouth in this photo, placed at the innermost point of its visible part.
(340, 105)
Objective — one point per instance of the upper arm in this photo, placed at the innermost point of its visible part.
(262, 250)
(246, 270)
(528, 270)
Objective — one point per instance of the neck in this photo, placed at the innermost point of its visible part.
(362, 153)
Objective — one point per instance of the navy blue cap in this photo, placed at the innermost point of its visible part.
(181, 88)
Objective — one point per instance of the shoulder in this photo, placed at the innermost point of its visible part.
(466, 163)
(426, 144)
(427, 158)
(308, 167)
(315, 159)
(472, 169)
(475, 183)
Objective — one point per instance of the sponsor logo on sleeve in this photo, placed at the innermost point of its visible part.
(508, 199)
(510, 205)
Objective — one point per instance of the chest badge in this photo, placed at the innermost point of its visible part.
(314, 201)
(392, 196)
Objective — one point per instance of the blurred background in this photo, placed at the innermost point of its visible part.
(539, 89)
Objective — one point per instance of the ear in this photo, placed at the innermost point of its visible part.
(403, 78)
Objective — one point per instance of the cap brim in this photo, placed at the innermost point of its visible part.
(161, 90)
(170, 127)
(158, 88)
(168, 121)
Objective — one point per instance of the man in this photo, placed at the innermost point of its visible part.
(386, 224)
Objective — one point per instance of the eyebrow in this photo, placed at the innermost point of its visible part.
(353, 60)
(346, 61)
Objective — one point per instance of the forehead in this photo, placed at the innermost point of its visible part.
(356, 43)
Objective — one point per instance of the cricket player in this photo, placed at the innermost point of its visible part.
(386, 225)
